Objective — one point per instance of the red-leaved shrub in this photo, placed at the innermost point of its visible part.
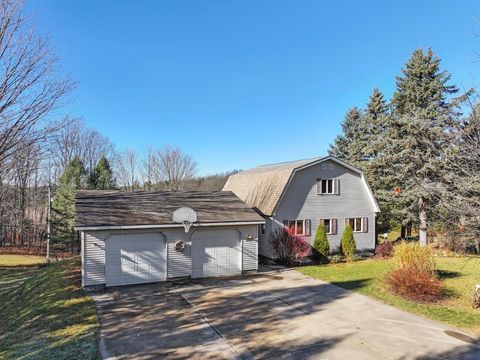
(384, 250)
(289, 248)
(415, 284)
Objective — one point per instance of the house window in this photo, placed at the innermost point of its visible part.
(296, 227)
(262, 229)
(326, 186)
(356, 224)
(327, 224)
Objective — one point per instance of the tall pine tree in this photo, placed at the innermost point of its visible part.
(73, 178)
(101, 177)
(348, 146)
(422, 114)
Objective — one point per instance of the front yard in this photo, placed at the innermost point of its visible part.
(367, 277)
(44, 312)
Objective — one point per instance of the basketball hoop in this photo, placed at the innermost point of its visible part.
(186, 225)
(185, 216)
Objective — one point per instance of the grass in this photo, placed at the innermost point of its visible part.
(459, 274)
(21, 260)
(45, 313)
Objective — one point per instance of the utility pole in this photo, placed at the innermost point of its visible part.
(49, 219)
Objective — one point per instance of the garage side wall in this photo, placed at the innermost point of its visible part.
(93, 258)
(249, 248)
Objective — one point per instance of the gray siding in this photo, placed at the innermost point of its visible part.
(301, 201)
(250, 248)
(93, 258)
(178, 264)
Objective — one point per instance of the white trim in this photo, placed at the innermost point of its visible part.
(321, 187)
(163, 226)
(354, 218)
(329, 226)
(303, 225)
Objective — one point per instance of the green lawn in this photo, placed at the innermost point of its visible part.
(368, 277)
(45, 313)
(20, 260)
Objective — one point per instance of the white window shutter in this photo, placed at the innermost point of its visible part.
(307, 227)
(365, 224)
(334, 226)
(319, 186)
(336, 186)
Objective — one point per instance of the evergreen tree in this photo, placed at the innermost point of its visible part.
(348, 146)
(101, 177)
(64, 200)
(347, 243)
(422, 114)
(320, 243)
(377, 106)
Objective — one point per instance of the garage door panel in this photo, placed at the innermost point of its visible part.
(135, 258)
(216, 253)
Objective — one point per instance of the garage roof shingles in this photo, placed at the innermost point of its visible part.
(116, 208)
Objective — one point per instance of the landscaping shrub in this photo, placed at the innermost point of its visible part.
(415, 284)
(414, 256)
(347, 244)
(320, 244)
(289, 248)
(384, 250)
(335, 259)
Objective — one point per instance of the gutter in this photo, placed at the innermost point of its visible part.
(164, 226)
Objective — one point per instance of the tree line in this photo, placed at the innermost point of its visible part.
(39, 149)
(420, 151)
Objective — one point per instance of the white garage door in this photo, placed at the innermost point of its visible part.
(216, 253)
(135, 259)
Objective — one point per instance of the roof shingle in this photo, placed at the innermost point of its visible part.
(261, 187)
(117, 208)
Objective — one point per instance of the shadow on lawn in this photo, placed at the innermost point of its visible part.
(447, 274)
(353, 284)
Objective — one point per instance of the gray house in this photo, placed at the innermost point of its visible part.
(302, 194)
(134, 237)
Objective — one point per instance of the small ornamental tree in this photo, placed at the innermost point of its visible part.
(347, 244)
(288, 248)
(320, 243)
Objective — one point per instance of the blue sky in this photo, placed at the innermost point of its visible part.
(242, 83)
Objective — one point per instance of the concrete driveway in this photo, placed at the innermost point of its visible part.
(274, 315)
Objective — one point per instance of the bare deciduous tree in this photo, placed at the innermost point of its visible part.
(72, 139)
(173, 169)
(30, 87)
(127, 170)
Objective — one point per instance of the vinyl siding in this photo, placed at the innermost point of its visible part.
(94, 258)
(178, 264)
(301, 201)
(250, 248)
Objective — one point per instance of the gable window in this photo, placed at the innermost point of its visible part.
(358, 224)
(327, 186)
(298, 227)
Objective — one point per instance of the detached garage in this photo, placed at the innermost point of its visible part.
(139, 237)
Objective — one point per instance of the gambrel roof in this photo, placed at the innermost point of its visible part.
(262, 187)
